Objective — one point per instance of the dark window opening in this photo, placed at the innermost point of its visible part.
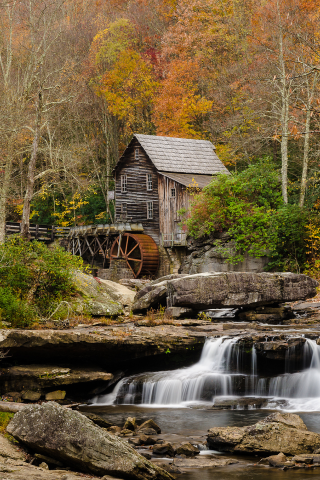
(136, 154)
(173, 192)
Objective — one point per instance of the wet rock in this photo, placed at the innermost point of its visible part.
(186, 448)
(126, 433)
(279, 432)
(44, 466)
(145, 454)
(135, 441)
(150, 424)
(202, 462)
(236, 289)
(147, 440)
(277, 460)
(97, 420)
(70, 437)
(56, 395)
(31, 396)
(243, 403)
(304, 458)
(269, 315)
(40, 378)
(130, 424)
(163, 449)
(115, 430)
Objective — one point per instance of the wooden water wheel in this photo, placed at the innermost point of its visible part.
(139, 250)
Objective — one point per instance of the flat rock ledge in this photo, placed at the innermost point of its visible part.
(226, 289)
(278, 433)
(74, 440)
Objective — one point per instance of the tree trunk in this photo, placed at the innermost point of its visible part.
(304, 175)
(25, 223)
(4, 195)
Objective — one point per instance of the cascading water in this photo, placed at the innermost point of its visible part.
(221, 371)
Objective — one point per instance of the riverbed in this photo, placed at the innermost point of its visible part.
(194, 422)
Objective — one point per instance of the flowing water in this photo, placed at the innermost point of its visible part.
(223, 372)
(226, 370)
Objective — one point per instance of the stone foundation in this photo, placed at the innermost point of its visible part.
(118, 269)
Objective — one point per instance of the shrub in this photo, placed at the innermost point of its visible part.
(33, 278)
(248, 205)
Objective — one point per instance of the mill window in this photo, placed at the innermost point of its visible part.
(124, 184)
(149, 210)
(136, 154)
(173, 193)
(149, 181)
(123, 208)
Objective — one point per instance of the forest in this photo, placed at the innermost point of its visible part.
(79, 77)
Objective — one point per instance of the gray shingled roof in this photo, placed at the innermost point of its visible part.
(188, 179)
(182, 155)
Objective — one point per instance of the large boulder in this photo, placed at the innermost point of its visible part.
(238, 289)
(153, 294)
(96, 298)
(279, 432)
(73, 439)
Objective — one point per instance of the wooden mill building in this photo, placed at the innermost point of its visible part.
(152, 179)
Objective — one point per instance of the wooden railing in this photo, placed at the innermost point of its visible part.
(39, 232)
(173, 239)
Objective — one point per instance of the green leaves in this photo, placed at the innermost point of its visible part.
(33, 278)
(248, 205)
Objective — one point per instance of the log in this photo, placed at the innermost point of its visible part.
(11, 407)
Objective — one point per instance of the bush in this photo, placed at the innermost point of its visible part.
(33, 278)
(5, 420)
(248, 205)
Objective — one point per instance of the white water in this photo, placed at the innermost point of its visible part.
(219, 372)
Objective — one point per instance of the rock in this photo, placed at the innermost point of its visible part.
(178, 312)
(126, 433)
(31, 396)
(146, 440)
(150, 424)
(119, 293)
(9, 450)
(130, 424)
(97, 420)
(163, 449)
(96, 297)
(202, 462)
(48, 460)
(70, 437)
(145, 454)
(11, 407)
(135, 283)
(147, 431)
(150, 297)
(279, 432)
(56, 395)
(238, 289)
(186, 449)
(277, 460)
(44, 466)
(245, 403)
(40, 378)
(304, 458)
(115, 430)
(135, 441)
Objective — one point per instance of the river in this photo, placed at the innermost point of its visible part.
(181, 402)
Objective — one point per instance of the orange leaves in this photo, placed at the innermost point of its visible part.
(179, 107)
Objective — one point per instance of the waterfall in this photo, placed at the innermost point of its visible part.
(224, 370)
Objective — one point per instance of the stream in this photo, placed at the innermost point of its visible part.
(183, 401)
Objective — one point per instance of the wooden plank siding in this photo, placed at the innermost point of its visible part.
(169, 206)
(137, 194)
